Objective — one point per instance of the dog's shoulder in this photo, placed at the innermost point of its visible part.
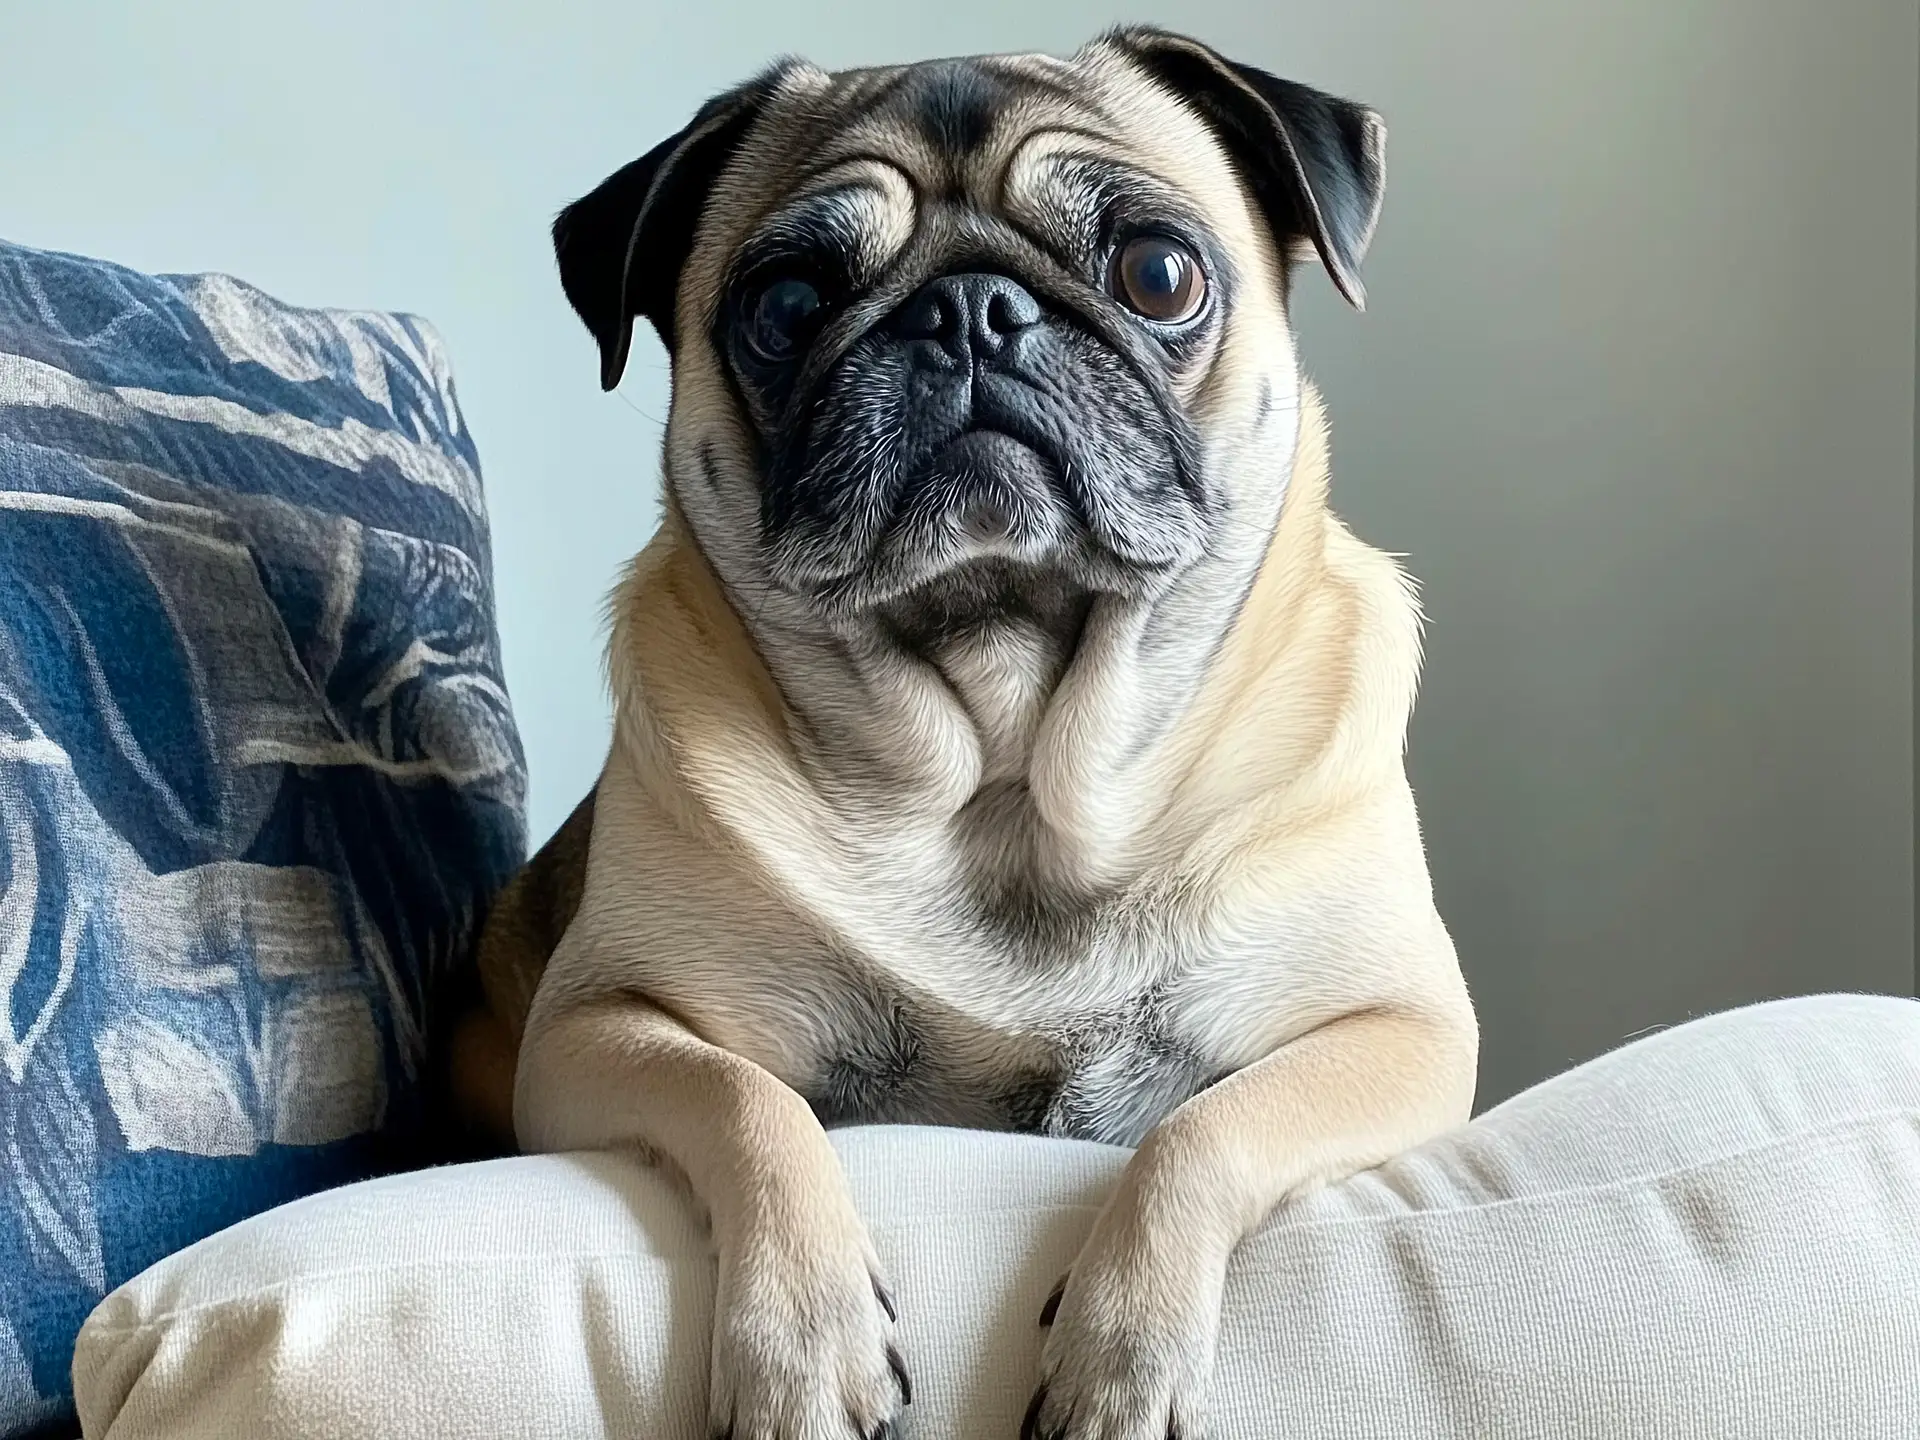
(1308, 702)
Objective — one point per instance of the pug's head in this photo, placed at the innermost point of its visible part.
(969, 322)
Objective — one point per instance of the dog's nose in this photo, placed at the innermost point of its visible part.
(973, 313)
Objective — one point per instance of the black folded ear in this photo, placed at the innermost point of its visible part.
(622, 248)
(1316, 163)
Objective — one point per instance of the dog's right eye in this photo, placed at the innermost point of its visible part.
(779, 315)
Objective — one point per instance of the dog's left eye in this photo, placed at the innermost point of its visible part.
(1159, 279)
(778, 317)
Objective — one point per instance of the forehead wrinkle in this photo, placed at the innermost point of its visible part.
(858, 202)
(1123, 186)
(1009, 195)
(959, 107)
(865, 204)
(1060, 135)
(1096, 109)
(950, 123)
(872, 140)
(872, 171)
(1109, 156)
(1030, 115)
(1070, 195)
(871, 115)
(834, 213)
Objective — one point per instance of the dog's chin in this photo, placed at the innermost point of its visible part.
(985, 496)
(984, 501)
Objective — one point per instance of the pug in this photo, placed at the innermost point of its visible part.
(1006, 732)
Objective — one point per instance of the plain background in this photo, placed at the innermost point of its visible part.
(1635, 394)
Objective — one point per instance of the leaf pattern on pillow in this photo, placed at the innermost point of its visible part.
(259, 774)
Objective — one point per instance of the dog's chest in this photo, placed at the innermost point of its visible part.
(992, 999)
(1108, 1073)
(972, 972)
(1062, 1036)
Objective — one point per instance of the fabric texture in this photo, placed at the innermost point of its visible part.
(258, 772)
(1711, 1234)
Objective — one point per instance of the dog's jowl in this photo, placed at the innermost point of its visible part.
(1007, 734)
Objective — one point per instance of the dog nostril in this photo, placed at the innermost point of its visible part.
(929, 317)
(1010, 308)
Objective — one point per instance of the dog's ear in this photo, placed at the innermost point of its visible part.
(621, 249)
(1315, 163)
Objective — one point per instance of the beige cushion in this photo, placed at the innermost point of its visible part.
(1714, 1232)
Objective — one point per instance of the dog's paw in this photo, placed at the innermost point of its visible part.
(803, 1350)
(1123, 1361)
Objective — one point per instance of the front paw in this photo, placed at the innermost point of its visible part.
(802, 1348)
(1124, 1359)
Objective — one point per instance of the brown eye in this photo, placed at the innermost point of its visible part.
(1159, 279)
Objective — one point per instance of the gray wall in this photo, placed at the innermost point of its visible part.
(1636, 396)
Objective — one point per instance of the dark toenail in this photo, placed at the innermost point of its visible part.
(1029, 1426)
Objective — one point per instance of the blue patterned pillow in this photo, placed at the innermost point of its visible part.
(258, 772)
